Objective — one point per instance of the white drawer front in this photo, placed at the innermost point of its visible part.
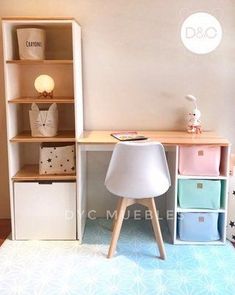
(45, 211)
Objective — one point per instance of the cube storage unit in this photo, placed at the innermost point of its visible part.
(200, 189)
(39, 202)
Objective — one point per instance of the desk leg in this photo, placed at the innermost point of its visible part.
(171, 197)
(81, 191)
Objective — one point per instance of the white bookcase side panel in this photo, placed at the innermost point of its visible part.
(81, 191)
(78, 90)
(9, 41)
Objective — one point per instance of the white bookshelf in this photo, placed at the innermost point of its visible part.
(63, 63)
(173, 207)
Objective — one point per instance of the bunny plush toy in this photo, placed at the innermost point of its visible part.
(194, 122)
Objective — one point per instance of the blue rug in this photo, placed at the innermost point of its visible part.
(63, 267)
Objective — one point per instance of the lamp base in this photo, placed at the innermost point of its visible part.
(45, 94)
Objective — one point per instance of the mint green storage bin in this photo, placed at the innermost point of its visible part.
(201, 194)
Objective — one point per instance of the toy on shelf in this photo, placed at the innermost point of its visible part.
(194, 122)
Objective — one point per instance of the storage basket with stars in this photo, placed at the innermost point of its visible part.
(57, 159)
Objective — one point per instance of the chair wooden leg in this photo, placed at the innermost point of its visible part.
(117, 227)
(117, 210)
(156, 228)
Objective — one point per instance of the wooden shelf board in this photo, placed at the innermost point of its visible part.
(188, 210)
(220, 177)
(63, 136)
(40, 62)
(167, 138)
(31, 172)
(58, 99)
(181, 242)
(18, 18)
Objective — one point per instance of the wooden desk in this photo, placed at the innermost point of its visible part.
(165, 137)
(103, 141)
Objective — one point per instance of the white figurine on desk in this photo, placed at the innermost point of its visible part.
(194, 122)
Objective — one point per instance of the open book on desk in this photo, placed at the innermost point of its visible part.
(128, 136)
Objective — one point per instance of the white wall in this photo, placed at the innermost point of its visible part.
(136, 70)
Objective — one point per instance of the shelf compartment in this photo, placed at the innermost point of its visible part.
(31, 173)
(63, 136)
(29, 100)
(40, 62)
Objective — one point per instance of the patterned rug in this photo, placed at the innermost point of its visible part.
(56, 268)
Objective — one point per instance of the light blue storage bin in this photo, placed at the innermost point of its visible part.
(201, 194)
(198, 227)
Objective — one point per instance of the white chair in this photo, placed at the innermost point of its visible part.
(137, 173)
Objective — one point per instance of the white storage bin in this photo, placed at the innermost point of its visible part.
(198, 227)
(43, 123)
(31, 43)
(199, 160)
(45, 211)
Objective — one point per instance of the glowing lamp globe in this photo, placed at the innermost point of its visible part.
(44, 84)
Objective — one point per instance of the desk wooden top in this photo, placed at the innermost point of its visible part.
(165, 137)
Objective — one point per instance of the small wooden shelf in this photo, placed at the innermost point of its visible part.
(31, 173)
(40, 62)
(63, 136)
(29, 100)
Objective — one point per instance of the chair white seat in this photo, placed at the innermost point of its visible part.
(137, 173)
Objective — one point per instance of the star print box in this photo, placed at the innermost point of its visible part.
(57, 159)
(199, 160)
(201, 194)
(198, 227)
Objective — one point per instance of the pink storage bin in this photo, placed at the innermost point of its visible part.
(199, 160)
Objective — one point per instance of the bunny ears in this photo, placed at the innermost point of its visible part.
(192, 98)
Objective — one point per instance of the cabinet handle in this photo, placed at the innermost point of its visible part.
(45, 182)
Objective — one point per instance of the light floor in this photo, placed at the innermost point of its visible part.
(56, 268)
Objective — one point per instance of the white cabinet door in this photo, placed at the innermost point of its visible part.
(45, 211)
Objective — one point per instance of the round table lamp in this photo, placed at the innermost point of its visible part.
(44, 84)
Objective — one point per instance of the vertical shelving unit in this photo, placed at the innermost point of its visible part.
(172, 199)
(42, 206)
